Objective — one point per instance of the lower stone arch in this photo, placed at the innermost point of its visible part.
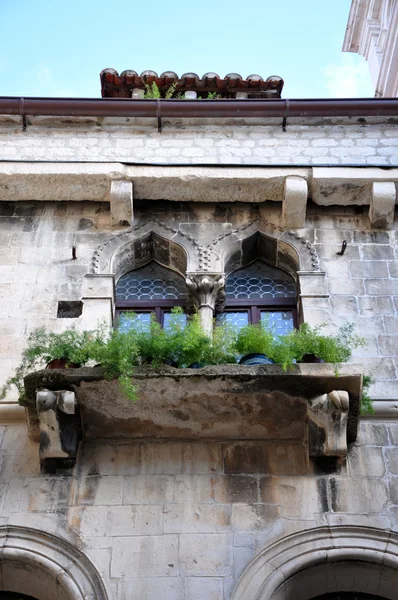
(321, 561)
(44, 567)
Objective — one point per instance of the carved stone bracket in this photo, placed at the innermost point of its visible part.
(328, 415)
(59, 431)
(206, 290)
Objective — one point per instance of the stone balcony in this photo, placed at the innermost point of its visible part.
(303, 413)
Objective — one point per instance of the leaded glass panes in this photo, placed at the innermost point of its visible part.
(237, 319)
(279, 322)
(151, 282)
(260, 281)
(138, 320)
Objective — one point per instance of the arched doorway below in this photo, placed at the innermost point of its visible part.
(14, 596)
(348, 596)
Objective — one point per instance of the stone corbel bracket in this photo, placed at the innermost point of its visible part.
(328, 417)
(59, 428)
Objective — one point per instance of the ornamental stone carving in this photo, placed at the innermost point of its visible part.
(328, 416)
(206, 290)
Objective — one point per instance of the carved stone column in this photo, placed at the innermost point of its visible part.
(207, 292)
(328, 416)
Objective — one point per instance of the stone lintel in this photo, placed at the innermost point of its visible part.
(381, 210)
(121, 199)
(295, 202)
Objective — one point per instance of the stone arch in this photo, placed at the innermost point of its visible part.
(142, 243)
(286, 250)
(323, 560)
(45, 567)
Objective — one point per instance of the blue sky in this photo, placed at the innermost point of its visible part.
(58, 48)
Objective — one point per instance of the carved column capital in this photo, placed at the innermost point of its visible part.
(328, 416)
(206, 290)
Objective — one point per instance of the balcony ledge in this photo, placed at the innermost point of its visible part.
(307, 406)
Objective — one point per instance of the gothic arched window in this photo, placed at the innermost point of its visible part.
(150, 289)
(260, 293)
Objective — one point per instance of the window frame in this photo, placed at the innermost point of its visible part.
(156, 307)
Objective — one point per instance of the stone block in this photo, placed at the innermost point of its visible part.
(295, 202)
(205, 555)
(392, 461)
(352, 495)
(282, 459)
(377, 252)
(376, 305)
(121, 520)
(378, 287)
(99, 490)
(372, 434)
(393, 482)
(235, 488)
(149, 588)
(199, 518)
(392, 429)
(391, 324)
(148, 489)
(302, 497)
(146, 556)
(198, 588)
(313, 285)
(345, 305)
(388, 345)
(252, 517)
(346, 287)
(192, 489)
(98, 286)
(373, 269)
(366, 461)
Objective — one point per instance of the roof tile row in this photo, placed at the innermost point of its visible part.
(114, 85)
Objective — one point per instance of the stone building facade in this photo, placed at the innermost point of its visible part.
(203, 516)
(372, 32)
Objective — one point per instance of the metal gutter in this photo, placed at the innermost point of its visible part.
(121, 107)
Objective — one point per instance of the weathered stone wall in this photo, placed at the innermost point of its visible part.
(178, 143)
(182, 521)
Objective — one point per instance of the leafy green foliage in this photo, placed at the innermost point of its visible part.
(311, 341)
(42, 347)
(255, 339)
(366, 402)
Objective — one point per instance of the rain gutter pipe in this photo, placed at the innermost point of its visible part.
(121, 107)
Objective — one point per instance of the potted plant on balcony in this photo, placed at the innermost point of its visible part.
(310, 345)
(67, 349)
(256, 344)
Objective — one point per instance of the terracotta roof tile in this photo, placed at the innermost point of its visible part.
(114, 85)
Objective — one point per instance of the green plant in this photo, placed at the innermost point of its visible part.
(187, 342)
(366, 404)
(42, 347)
(117, 355)
(256, 339)
(152, 92)
(331, 349)
(223, 350)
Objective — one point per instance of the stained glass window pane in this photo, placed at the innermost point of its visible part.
(151, 282)
(259, 281)
(280, 322)
(237, 319)
(139, 321)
